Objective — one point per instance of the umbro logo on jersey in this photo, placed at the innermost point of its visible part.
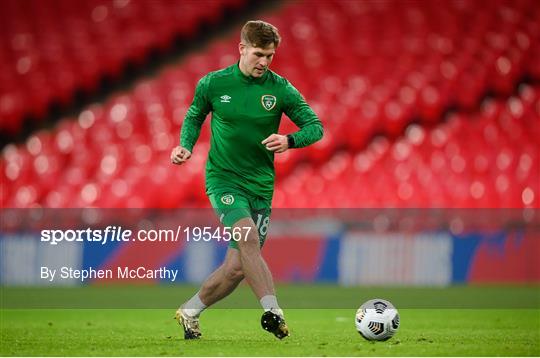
(225, 99)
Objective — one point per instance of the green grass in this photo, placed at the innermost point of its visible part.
(290, 296)
(503, 331)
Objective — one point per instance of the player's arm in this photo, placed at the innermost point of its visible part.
(191, 128)
(310, 127)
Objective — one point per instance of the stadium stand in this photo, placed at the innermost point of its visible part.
(51, 49)
(484, 159)
(424, 105)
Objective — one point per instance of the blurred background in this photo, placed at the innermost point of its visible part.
(425, 104)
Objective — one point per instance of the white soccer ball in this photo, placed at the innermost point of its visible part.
(377, 320)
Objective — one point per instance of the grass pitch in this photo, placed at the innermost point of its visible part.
(506, 331)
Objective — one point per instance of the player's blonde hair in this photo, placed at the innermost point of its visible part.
(260, 34)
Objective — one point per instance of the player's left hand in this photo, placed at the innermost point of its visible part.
(276, 143)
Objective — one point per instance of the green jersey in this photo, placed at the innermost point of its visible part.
(245, 111)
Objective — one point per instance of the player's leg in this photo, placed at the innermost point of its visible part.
(217, 286)
(256, 270)
(249, 248)
(223, 280)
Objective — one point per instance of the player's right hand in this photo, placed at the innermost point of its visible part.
(180, 155)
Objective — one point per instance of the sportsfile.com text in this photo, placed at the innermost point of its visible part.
(119, 234)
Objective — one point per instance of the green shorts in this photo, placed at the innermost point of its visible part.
(233, 205)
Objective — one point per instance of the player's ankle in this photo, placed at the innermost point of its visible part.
(192, 312)
(277, 311)
(194, 306)
(269, 303)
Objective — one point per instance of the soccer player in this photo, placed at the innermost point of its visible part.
(247, 101)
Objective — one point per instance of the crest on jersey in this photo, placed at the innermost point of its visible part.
(268, 101)
(227, 199)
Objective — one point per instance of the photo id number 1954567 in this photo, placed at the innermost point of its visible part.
(208, 233)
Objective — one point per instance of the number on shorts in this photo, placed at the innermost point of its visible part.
(263, 227)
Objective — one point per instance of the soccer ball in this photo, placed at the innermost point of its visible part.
(377, 320)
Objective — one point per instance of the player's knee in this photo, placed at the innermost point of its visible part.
(249, 240)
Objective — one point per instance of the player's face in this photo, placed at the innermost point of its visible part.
(254, 61)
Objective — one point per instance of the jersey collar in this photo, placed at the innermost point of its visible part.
(248, 79)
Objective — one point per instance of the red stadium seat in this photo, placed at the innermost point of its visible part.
(50, 49)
